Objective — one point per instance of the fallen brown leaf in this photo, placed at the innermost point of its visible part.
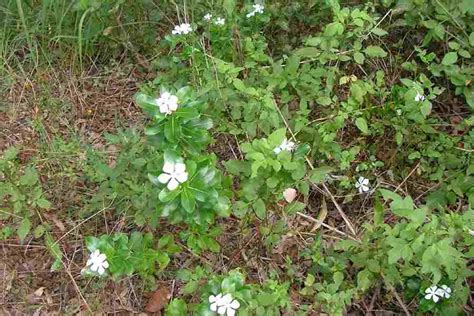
(158, 300)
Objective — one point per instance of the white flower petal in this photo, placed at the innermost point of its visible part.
(168, 167)
(164, 108)
(101, 270)
(181, 177)
(365, 181)
(277, 150)
(94, 266)
(230, 312)
(105, 264)
(212, 299)
(173, 184)
(101, 257)
(234, 304)
(435, 298)
(172, 106)
(179, 167)
(222, 309)
(226, 299)
(213, 307)
(164, 178)
(428, 296)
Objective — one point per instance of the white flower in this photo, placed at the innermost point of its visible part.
(419, 97)
(362, 184)
(167, 103)
(219, 21)
(173, 174)
(285, 145)
(223, 305)
(181, 29)
(471, 232)
(446, 291)
(434, 293)
(208, 17)
(257, 8)
(97, 262)
(399, 112)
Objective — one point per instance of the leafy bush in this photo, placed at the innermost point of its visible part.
(318, 99)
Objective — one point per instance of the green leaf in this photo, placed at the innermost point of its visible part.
(318, 175)
(359, 58)
(379, 31)
(39, 231)
(229, 6)
(188, 200)
(24, 229)
(425, 108)
(30, 177)
(375, 51)
(334, 28)
(10, 153)
(172, 129)
(240, 85)
(324, 100)
(364, 279)
(188, 113)
(266, 299)
(55, 252)
(450, 58)
(338, 277)
(378, 212)
(259, 208)
(43, 203)
(361, 124)
(177, 307)
(276, 138)
(307, 52)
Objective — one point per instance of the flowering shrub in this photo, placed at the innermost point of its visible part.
(177, 120)
(121, 254)
(307, 118)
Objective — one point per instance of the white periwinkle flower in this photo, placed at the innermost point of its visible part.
(173, 174)
(215, 300)
(97, 262)
(362, 184)
(223, 305)
(167, 103)
(434, 293)
(219, 21)
(446, 291)
(285, 145)
(471, 232)
(419, 97)
(207, 17)
(182, 29)
(257, 8)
